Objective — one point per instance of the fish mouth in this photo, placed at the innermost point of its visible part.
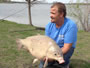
(61, 60)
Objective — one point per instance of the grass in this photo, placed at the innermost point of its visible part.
(10, 57)
(81, 57)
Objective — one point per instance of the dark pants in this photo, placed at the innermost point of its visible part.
(55, 64)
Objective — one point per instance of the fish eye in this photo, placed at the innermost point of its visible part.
(55, 54)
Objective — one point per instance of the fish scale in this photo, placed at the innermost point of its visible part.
(41, 47)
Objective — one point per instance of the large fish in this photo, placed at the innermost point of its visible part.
(42, 47)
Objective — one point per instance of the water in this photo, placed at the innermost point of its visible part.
(18, 12)
(40, 13)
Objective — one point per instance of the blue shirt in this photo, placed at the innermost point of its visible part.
(67, 33)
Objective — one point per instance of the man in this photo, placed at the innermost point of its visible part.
(63, 31)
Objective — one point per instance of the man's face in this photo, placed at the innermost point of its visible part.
(54, 14)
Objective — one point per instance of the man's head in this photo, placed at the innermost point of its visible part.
(58, 10)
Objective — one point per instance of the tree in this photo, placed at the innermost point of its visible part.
(81, 13)
(29, 10)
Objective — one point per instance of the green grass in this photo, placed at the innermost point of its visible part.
(10, 57)
(81, 57)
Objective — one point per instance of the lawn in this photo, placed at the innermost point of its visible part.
(10, 57)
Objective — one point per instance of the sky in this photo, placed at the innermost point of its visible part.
(51, 1)
(64, 1)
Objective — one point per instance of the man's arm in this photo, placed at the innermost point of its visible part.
(66, 47)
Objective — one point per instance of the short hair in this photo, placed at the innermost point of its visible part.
(61, 7)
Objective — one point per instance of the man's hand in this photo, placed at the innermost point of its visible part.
(49, 60)
(66, 47)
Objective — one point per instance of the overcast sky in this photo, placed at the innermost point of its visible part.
(64, 1)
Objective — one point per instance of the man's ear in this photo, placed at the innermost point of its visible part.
(61, 14)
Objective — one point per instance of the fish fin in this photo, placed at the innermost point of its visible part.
(46, 62)
(35, 60)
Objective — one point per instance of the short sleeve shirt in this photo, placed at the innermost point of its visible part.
(67, 33)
